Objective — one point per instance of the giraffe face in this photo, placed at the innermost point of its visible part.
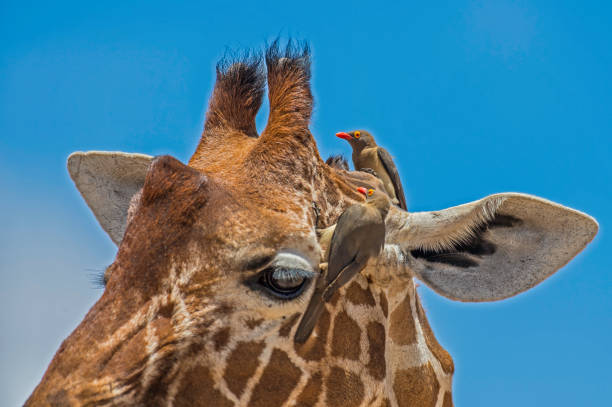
(202, 266)
(203, 271)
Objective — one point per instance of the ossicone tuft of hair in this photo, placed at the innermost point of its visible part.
(295, 56)
(289, 85)
(338, 162)
(238, 93)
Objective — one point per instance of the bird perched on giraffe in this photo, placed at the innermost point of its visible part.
(368, 155)
(358, 236)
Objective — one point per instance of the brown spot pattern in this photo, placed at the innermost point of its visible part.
(58, 399)
(359, 296)
(343, 388)
(221, 338)
(314, 348)
(376, 338)
(310, 395)
(416, 386)
(432, 343)
(163, 329)
(277, 381)
(198, 389)
(334, 298)
(384, 306)
(401, 324)
(194, 349)
(448, 400)
(241, 365)
(225, 309)
(253, 323)
(285, 329)
(346, 337)
(166, 311)
(123, 357)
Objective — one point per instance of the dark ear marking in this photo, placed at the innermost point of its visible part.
(504, 221)
(466, 254)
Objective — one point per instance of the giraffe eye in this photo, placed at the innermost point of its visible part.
(283, 276)
(285, 283)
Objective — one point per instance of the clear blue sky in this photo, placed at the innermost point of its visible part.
(471, 97)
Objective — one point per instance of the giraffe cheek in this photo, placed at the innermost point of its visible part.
(198, 385)
(278, 380)
(241, 365)
(314, 348)
(343, 338)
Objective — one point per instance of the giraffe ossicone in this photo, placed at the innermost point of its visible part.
(216, 262)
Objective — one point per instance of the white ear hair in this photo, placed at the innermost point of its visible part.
(107, 181)
(490, 249)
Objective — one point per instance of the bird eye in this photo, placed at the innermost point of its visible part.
(357, 134)
(285, 283)
(370, 192)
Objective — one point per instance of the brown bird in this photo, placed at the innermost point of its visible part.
(358, 236)
(366, 154)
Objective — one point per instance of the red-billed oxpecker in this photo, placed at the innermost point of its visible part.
(367, 155)
(359, 235)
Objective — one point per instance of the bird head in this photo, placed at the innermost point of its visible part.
(378, 199)
(358, 139)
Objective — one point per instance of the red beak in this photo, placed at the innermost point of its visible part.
(344, 135)
(363, 191)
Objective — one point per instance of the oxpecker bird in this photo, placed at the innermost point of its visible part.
(358, 236)
(366, 154)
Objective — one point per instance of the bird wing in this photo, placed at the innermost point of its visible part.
(365, 239)
(358, 235)
(389, 165)
(311, 316)
(347, 239)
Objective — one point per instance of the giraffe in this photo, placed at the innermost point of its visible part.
(216, 262)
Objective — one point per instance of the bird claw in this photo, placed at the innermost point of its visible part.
(369, 171)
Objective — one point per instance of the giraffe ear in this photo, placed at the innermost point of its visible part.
(490, 249)
(108, 181)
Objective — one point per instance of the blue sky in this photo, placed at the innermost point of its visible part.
(471, 97)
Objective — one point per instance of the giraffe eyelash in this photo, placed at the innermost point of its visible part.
(283, 273)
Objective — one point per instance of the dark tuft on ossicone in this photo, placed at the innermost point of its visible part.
(238, 92)
(338, 162)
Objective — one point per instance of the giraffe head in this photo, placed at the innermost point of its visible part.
(217, 260)
(221, 251)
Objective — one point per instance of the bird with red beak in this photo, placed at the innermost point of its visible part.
(367, 155)
(359, 236)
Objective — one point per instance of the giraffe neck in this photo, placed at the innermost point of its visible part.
(372, 346)
(419, 369)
